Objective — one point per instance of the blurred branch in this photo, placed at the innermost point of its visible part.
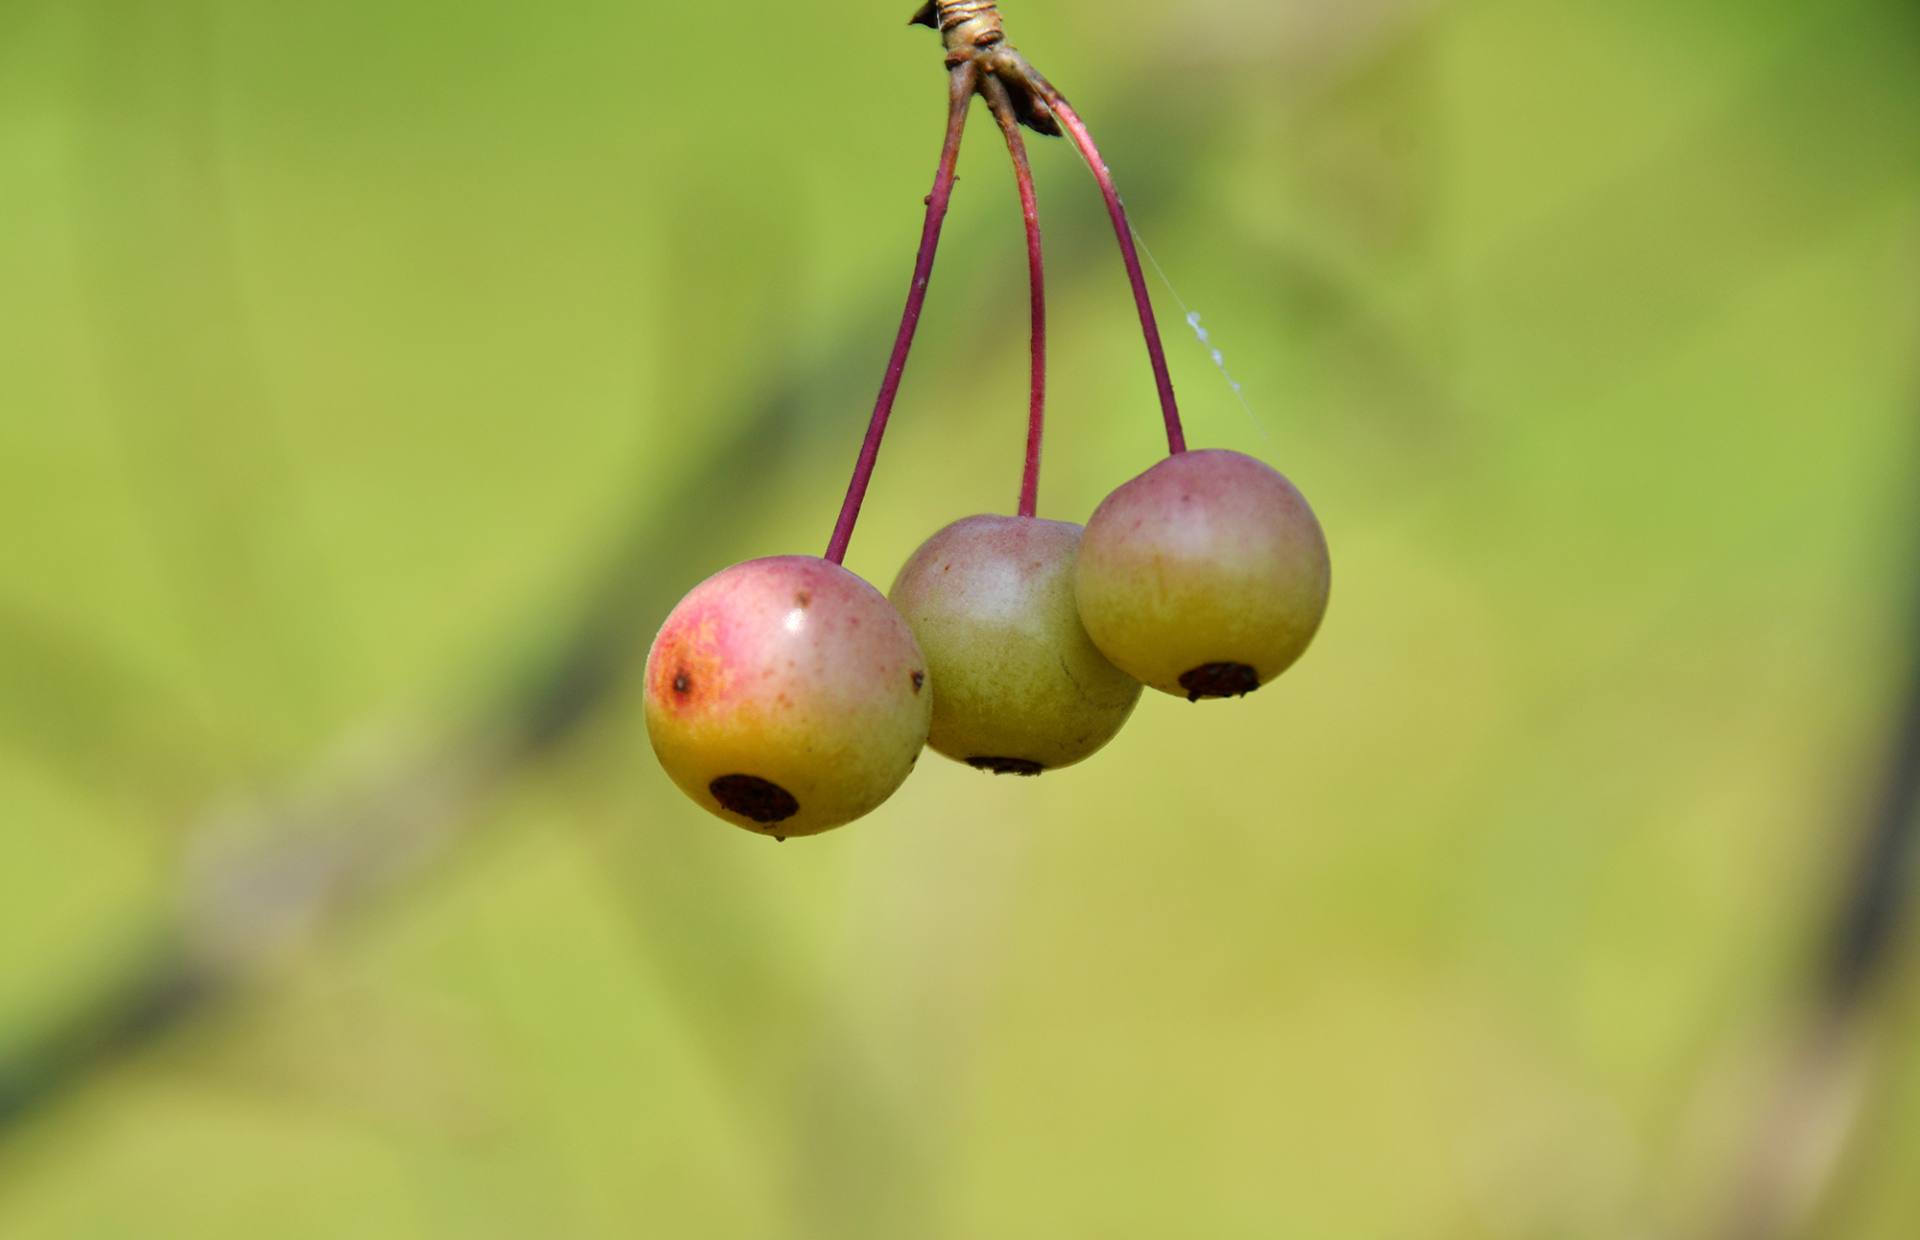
(1881, 891)
(1799, 1141)
(318, 855)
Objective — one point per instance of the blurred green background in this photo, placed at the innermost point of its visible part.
(350, 354)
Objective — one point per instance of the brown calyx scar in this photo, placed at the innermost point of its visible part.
(1218, 680)
(749, 796)
(682, 682)
(1006, 766)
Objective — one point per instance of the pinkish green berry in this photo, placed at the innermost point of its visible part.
(1206, 576)
(787, 696)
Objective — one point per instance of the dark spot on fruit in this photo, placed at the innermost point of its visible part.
(1006, 766)
(802, 599)
(919, 679)
(779, 839)
(752, 797)
(682, 683)
(1218, 680)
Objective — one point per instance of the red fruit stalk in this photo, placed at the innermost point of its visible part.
(960, 87)
(972, 31)
(1076, 130)
(1003, 111)
(979, 59)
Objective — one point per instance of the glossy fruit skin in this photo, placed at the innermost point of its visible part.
(787, 696)
(1206, 576)
(1018, 686)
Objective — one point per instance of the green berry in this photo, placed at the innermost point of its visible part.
(1018, 686)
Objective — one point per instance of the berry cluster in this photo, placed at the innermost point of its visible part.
(788, 696)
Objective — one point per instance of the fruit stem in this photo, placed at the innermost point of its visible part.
(1002, 104)
(960, 87)
(1077, 131)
